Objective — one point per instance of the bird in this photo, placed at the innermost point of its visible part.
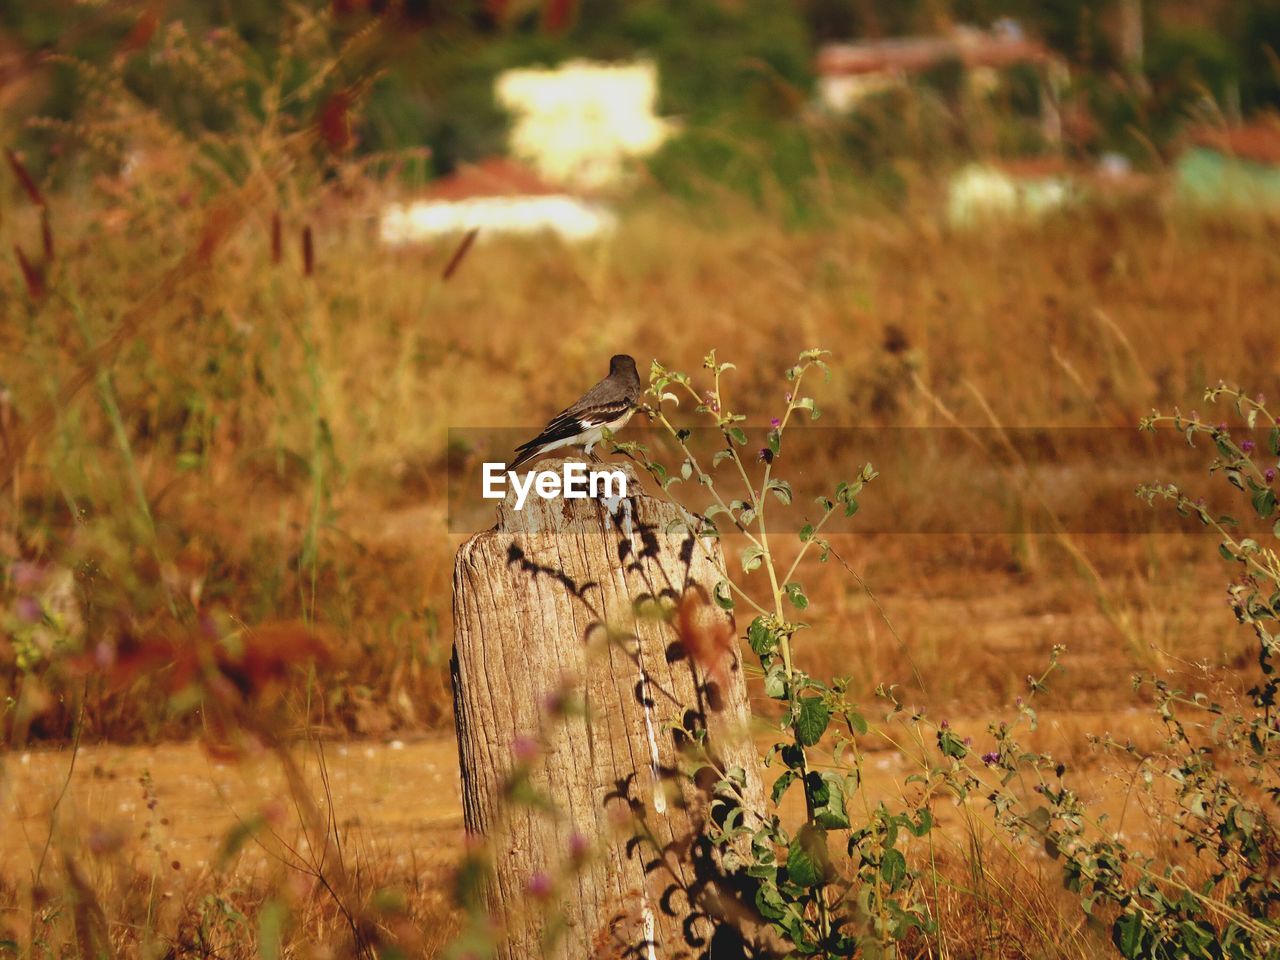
(606, 406)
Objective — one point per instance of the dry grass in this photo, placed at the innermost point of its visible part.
(201, 428)
(287, 434)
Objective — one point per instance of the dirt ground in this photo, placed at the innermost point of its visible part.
(396, 802)
(175, 804)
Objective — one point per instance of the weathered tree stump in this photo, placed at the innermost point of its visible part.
(559, 605)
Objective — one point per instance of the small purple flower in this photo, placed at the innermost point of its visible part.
(1247, 446)
(27, 576)
(1270, 474)
(526, 749)
(539, 885)
(579, 847)
(28, 610)
(765, 455)
(968, 741)
(775, 423)
(991, 758)
(945, 725)
(712, 403)
(788, 397)
(1222, 427)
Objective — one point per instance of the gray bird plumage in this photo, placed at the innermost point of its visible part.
(607, 405)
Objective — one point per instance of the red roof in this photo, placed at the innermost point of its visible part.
(916, 54)
(492, 177)
(1258, 141)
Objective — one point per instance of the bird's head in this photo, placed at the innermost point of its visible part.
(622, 364)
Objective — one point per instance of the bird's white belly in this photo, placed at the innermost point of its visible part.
(594, 435)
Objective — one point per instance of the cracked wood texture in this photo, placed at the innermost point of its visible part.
(576, 648)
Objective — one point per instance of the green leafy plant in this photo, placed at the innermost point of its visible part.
(817, 905)
(1212, 784)
(1214, 895)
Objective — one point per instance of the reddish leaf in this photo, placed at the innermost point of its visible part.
(558, 15)
(46, 234)
(308, 251)
(32, 274)
(707, 633)
(24, 178)
(277, 243)
(333, 120)
(459, 254)
(144, 28)
(264, 655)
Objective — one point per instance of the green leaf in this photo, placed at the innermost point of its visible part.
(723, 595)
(1273, 441)
(738, 436)
(237, 837)
(806, 403)
(831, 812)
(769, 902)
(775, 683)
(806, 533)
(856, 721)
(847, 494)
(951, 745)
(1264, 502)
(808, 860)
(271, 921)
(1226, 552)
(782, 490)
(924, 825)
(780, 785)
(811, 721)
(796, 595)
(720, 457)
(752, 557)
(1128, 934)
(893, 868)
(762, 637)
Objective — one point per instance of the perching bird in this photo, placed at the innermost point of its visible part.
(606, 406)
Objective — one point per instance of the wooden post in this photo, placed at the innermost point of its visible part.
(557, 605)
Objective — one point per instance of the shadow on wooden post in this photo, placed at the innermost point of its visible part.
(558, 603)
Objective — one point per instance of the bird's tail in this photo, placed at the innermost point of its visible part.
(525, 455)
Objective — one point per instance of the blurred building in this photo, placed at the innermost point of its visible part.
(495, 196)
(982, 193)
(849, 73)
(1234, 167)
(581, 123)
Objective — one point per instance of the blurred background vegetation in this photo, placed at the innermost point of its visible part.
(737, 74)
(150, 142)
(226, 407)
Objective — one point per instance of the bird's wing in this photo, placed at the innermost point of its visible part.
(579, 418)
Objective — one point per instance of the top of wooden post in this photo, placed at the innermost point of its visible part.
(560, 513)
